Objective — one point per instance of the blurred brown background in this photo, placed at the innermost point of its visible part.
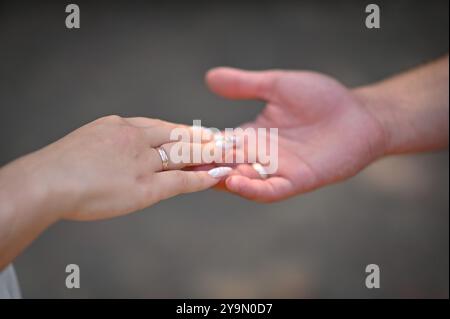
(139, 58)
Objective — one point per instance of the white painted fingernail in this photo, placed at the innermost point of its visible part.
(260, 169)
(219, 172)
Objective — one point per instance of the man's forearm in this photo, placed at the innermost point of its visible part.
(412, 108)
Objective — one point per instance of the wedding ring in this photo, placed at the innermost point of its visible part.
(164, 158)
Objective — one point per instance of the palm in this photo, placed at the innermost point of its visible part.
(324, 133)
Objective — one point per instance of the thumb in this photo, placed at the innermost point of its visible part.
(239, 84)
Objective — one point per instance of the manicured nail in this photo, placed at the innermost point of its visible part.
(260, 169)
(219, 172)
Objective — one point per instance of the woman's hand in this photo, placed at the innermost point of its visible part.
(111, 167)
(106, 168)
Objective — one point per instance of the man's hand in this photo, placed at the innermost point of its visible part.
(326, 134)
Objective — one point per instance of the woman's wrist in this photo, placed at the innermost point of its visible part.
(28, 189)
(27, 206)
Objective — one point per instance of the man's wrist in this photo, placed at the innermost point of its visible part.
(412, 108)
(383, 111)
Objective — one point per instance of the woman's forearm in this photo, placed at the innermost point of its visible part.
(412, 108)
(106, 168)
(25, 208)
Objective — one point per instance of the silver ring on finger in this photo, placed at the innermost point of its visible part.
(164, 158)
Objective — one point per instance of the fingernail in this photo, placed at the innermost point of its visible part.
(219, 172)
(260, 169)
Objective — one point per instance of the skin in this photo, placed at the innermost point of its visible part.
(328, 132)
(104, 169)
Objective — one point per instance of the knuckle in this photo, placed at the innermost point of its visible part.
(154, 122)
(112, 119)
(157, 123)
